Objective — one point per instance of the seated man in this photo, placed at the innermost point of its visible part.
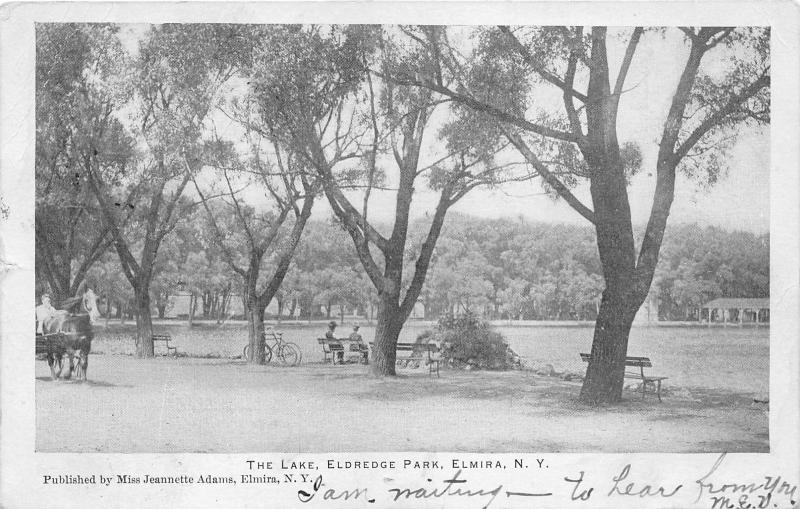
(359, 345)
(330, 334)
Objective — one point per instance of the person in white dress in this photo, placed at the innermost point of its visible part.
(44, 311)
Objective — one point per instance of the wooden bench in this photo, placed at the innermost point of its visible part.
(332, 347)
(166, 338)
(640, 363)
(419, 352)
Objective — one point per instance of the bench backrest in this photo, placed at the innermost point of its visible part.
(329, 345)
(161, 337)
(637, 362)
(411, 347)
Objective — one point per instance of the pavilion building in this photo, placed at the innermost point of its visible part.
(736, 311)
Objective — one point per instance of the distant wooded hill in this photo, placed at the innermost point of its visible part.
(500, 268)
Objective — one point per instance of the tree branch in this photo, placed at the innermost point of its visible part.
(718, 116)
(491, 110)
(626, 62)
(218, 232)
(129, 265)
(545, 74)
(423, 261)
(239, 214)
(285, 257)
(548, 177)
(569, 105)
(166, 220)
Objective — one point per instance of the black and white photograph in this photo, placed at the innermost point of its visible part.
(447, 245)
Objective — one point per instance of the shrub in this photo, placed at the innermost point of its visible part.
(466, 341)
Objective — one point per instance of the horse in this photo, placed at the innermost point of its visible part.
(69, 332)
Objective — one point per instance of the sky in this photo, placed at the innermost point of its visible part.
(739, 200)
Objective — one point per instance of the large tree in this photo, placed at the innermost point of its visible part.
(74, 65)
(315, 88)
(723, 83)
(174, 80)
(252, 239)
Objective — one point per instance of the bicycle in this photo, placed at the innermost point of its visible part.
(289, 354)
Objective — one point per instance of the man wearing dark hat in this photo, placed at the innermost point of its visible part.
(330, 335)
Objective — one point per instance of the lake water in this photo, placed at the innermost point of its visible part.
(731, 358)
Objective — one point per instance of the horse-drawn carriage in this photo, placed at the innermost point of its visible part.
(68, 332)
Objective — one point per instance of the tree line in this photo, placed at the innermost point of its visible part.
(135, 134)
(505, 268)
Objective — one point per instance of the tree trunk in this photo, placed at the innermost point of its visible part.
(387, 331)
(223, 306)
(255, 331)
(207, 304)
(605, 374)
(108, 310)
(192, 306)
(144, 325)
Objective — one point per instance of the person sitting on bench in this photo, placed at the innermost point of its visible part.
(330, 334)
(358, 344)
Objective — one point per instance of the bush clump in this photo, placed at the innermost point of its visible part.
(469, 343)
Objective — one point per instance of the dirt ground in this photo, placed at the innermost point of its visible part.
(214, 405)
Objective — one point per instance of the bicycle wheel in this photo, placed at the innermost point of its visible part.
(267, 353)
(289, 354)
(298, 351)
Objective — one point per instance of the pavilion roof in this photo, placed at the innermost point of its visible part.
(738, 303)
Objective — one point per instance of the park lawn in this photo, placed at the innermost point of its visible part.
(189, 404)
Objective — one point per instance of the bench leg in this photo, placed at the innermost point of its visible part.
(659, 391)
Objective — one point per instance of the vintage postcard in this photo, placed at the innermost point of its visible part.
(430, 254)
